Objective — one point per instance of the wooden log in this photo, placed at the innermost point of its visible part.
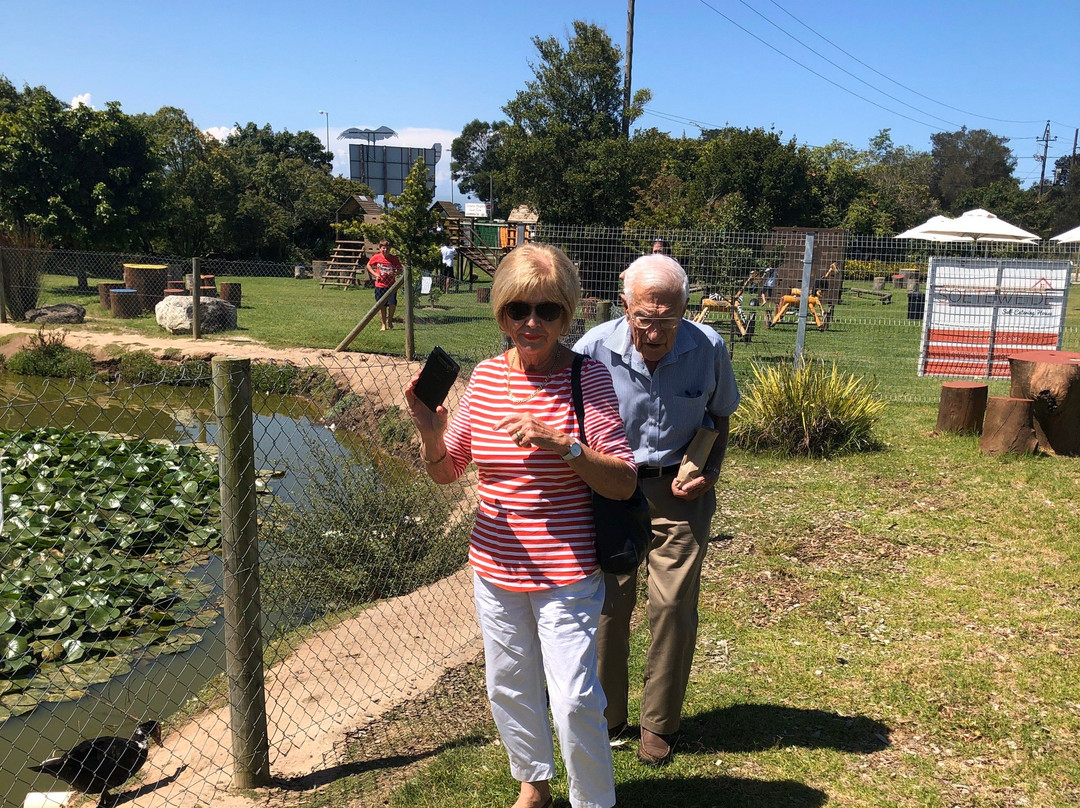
(148, 280)
(231, 292)
(1051, 379)
(125, 303)
(962, 407)
(1008, 427)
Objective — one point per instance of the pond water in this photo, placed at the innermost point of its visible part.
(286, 435)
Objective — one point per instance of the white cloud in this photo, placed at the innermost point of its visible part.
(81, 100)
(220, 132)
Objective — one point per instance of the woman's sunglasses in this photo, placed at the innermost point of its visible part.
(547, 311)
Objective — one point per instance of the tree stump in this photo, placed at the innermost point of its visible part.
(148, 280)
(1051, 379)
(879, 284)
(231, 292)
(1008, 427)
(125, 303)
(962, 407)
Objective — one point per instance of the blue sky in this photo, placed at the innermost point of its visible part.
(427, 68)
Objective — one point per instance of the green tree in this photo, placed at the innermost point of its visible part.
(771, 178)
(475, 160)
(562, 149)
(968, 159)
(83, 178)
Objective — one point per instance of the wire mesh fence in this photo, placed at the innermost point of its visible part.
(113, 584)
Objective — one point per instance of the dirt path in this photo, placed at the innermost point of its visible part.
(336, 681)
(379, 378)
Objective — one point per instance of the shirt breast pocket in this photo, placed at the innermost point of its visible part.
(688, 406)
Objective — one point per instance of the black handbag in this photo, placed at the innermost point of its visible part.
(623, 526)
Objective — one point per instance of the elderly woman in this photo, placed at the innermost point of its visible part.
(538, 588)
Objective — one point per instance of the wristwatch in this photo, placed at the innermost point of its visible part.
(572, 452)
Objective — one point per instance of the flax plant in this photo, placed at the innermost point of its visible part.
(808, 409)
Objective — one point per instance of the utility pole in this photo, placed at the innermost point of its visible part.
(628, 68)
(1072, 160)
(1045, 140)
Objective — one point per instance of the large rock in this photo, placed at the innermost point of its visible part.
(60, 313)
(174, 314)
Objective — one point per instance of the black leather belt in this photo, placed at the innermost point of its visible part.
(645, 472)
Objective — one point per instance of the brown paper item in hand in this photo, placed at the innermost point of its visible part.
(697, 453)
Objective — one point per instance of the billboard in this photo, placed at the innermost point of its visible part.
(384, 168)
(979, 311)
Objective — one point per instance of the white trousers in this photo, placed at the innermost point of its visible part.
(548, 635)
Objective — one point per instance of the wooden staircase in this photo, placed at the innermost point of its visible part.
(482, 256)
(347, 265)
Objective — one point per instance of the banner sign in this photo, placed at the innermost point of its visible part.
(979, 311)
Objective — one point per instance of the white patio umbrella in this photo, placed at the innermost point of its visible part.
(919, 231)
(1068, 236)
(982, 225)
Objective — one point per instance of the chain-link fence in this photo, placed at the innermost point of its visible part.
(127, 564)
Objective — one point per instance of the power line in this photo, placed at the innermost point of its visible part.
(843, 69)
(816, 73)
(888, 78)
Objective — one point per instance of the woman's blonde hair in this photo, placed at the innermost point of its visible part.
(536, 269)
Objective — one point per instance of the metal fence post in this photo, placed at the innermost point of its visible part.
(804, 297)
(410, 338)
(240, 550)
(196, 288)
(3, 289)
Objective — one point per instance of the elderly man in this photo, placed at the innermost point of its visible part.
(671, 376)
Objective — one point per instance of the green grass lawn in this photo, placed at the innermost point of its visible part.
(286, 313)
(865, 337)
(897, 628)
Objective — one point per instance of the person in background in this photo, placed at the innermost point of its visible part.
(659, 247)
(671, 376)
(768, 284)
(383, 269)
(537, 586)
(449, 253)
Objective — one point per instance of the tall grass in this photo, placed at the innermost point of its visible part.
(807, 409)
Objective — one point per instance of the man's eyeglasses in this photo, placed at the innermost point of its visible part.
(662, 323)
(548, 311)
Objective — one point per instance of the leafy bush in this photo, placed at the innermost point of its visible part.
(361, 533)
(808, 410)
(140, 367)
(47, 355)
(395, 428)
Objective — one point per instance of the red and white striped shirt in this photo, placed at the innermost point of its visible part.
(534, 527)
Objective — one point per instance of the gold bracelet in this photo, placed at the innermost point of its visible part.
(435, 461)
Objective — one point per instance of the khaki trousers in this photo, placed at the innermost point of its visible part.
(673, 569)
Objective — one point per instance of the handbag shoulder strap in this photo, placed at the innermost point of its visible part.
(579, 399)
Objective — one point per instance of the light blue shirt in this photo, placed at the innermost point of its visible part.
(692, 386)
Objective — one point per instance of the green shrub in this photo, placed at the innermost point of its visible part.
(359, 533)
(47, 355)
(395, 428)
(808, 410)
(140, 367)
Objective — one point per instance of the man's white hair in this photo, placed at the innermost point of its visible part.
(658, 271)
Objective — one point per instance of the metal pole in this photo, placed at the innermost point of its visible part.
(196, 288)
(628, 68)
(3, 289)
(804, 296)
(410, 341)
(240, 554)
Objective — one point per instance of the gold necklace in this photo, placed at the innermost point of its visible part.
(543, 384)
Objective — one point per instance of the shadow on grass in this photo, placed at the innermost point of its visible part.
(323, 777)
(756, 727)
(716, 792)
